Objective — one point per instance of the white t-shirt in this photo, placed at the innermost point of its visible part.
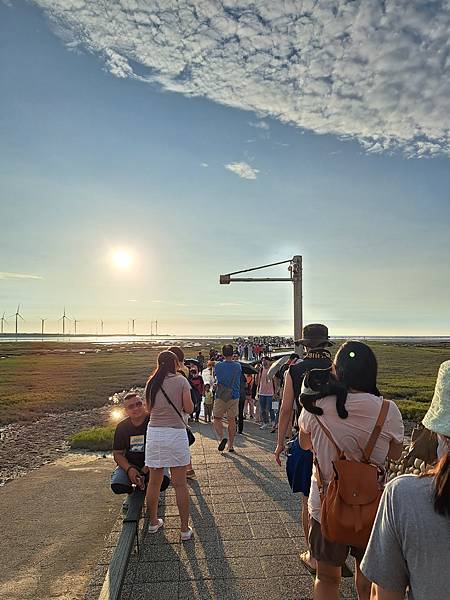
(350, 434)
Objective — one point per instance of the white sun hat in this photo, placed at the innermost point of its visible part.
(437, 418)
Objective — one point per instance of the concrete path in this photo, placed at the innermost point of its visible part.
(53, 524)
(247, 531)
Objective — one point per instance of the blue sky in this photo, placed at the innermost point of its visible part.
(105, 146)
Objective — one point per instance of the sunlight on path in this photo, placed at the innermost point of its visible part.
(247, 533)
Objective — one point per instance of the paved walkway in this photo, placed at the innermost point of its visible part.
(247, 531)
(53, 522)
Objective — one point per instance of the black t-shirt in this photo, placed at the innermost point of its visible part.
(131, 439)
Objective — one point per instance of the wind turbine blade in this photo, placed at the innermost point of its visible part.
(21, 317)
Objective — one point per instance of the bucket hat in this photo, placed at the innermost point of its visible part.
(315, 335)
(437, 418)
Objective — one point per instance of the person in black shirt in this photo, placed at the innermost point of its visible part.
(129, 448)
(315, 340)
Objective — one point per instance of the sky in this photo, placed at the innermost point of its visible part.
(205, 137)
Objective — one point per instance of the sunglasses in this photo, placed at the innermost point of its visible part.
(133, 405)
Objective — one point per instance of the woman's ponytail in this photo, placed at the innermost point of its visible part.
(442, 486)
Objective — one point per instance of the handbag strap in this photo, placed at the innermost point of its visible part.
(367, 452)
(172, 405)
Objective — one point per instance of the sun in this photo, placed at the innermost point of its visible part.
(122, 258)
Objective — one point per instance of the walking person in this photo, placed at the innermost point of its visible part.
(197, 386)
(408, 551)
(315, 340)
(228, 375)
(208, 401)
(249, 408)
(168, 397)
(352, 422)
(266, 391)
(242, 399)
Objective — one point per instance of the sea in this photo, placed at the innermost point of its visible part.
(171, 339)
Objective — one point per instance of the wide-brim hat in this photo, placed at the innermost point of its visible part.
(437, 418)
(314, 335)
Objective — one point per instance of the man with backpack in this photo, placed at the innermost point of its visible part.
(315, 340)
(228, 375)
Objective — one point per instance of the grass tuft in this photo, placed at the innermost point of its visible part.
(95, 438)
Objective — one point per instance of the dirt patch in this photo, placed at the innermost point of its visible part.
(27, 446)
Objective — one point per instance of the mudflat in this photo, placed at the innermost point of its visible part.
(54, 522)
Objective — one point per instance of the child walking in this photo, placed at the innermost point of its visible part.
(208, 401)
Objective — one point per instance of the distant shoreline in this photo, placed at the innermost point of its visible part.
(121, 338)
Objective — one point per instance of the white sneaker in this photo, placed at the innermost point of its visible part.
(187, 535)
(155, 528)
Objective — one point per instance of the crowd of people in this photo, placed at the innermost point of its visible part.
(254, 348)
(337, 433)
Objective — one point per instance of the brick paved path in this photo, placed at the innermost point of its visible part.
(247, 533)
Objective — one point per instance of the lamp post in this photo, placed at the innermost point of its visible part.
(295, 277)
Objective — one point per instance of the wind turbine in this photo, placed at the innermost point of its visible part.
(3, 321)
(63, 319)
(42, 326)
(75, 322)
(17, 314)
(101, 326)
(132, 326)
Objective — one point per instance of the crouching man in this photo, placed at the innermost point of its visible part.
(129, 449)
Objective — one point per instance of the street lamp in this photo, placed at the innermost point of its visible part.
(295, 277)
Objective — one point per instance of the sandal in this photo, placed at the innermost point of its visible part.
(305, 557)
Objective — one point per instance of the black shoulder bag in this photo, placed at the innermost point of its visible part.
(190, 435)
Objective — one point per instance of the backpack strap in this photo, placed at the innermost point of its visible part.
(367, 452)
(329, 436)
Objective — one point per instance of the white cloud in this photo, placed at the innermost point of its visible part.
(157, 301)
(242, 169)
(5, 275)
(370, 70)
(259, 125)
(132, 300)
(204, 165)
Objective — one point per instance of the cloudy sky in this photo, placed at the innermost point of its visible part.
(201, 137)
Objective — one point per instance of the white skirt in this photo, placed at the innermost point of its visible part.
(166, 447)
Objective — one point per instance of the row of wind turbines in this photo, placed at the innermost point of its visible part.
(63, 320)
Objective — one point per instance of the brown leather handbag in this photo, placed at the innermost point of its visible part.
(350, 501)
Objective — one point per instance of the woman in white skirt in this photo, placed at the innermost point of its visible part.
(167, 442)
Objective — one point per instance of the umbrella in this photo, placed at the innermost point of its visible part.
(276, 366)
(247, 368)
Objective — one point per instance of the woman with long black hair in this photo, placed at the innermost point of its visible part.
(409, 547)
(349, 412)
(168, 398)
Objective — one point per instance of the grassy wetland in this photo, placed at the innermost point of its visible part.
(50, 377)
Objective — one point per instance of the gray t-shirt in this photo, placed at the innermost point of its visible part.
(410, 542)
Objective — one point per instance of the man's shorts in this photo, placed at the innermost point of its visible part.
(225, 407)
(330, 552)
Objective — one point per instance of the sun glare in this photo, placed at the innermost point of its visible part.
(122, 259)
